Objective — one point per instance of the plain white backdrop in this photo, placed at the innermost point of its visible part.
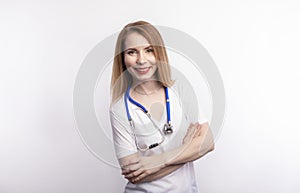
(255, 45)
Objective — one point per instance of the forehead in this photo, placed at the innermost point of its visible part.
(135, 40)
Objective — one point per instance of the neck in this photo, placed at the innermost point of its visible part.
(147, 87)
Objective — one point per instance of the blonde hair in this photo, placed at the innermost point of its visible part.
(121, 79)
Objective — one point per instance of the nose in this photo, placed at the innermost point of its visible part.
(141, 59)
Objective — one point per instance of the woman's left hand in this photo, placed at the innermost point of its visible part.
(144, 167)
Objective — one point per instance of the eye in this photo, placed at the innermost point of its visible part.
(131, 52)
(149, 50)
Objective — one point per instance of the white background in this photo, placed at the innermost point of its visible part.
(255, 45)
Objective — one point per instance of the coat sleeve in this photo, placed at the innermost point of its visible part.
(193, 112)
(124, 142)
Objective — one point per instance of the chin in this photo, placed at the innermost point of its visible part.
(145, 77)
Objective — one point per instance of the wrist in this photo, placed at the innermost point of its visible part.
(157, 161)
(163, 160)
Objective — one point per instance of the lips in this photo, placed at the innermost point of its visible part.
(142, 70)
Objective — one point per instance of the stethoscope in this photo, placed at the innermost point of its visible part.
(167, 127)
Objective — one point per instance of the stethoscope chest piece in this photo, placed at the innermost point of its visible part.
(168, 129)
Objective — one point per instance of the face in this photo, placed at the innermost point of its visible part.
(139, 57)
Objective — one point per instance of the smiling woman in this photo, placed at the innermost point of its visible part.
(139, 57)
(139, 43)
(155, 154)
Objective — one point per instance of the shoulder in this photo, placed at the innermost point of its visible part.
(117, 108)
(186, 95)
(182, 87)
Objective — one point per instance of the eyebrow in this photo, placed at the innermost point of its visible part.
(135, 48)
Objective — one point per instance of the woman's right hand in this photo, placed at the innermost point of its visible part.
(139, 167)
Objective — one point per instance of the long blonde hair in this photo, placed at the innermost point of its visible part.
(121, 79)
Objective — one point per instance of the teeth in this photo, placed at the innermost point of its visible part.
(142, 69)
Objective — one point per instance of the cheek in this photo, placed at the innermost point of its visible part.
(152, 59)
(129, 61)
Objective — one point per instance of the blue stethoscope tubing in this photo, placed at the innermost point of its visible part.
(143, 108)
(167, 128)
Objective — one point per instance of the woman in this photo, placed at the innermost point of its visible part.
(156, 127)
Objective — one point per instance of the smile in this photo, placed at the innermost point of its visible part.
(142, 70)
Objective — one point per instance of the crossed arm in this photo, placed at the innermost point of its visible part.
(197, 142)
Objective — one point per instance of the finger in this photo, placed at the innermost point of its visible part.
(189, 129)
(194, 130)
(134, 174)
(127, 171)
(131, 168)
(198, 130)
(191, 125)
(191, 132)
(139, 178)
(131, 161)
